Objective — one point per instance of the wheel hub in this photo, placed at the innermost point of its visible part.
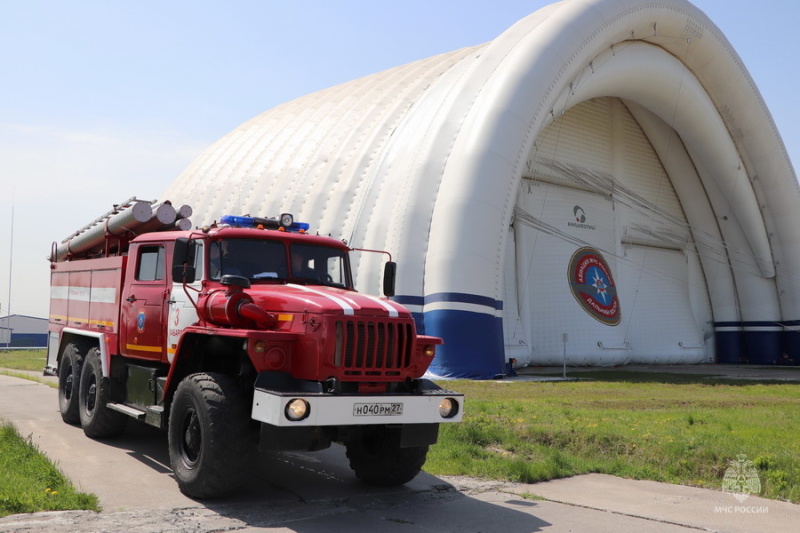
(192, 439)
(91, 398)
(68, 387)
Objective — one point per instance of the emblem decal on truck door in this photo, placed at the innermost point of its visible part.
(140, 321)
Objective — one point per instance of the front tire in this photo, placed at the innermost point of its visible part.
(69, 375)
(209, 440)
(377, 458)
(97, 420)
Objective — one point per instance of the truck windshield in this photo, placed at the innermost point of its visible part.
(320, 264)
(258, 259)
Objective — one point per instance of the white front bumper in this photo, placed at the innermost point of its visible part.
(355, 410)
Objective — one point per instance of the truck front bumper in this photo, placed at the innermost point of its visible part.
(327, 409)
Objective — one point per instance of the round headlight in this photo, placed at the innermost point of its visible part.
(429, 350)
(286, 220)
(297, 410)
(448, 408)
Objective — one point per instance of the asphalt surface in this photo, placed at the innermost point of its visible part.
(315, 492)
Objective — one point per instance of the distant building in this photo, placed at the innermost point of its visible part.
(20, 331)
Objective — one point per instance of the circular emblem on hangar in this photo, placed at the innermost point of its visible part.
(593, 285)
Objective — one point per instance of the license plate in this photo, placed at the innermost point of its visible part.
(377, 409)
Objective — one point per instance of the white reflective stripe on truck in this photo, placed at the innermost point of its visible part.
(346, 307)
(391, 309)
(101, 295)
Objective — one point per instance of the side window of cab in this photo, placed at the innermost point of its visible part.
(151, 263)
(199, 260)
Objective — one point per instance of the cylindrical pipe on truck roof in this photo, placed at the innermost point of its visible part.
(140, 218)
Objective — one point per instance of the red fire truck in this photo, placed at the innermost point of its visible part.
(238, 338)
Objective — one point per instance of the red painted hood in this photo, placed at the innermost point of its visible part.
(294, 298)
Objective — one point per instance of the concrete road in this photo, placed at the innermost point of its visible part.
(311, 492)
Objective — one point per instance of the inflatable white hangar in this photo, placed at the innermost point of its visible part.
(602, 183)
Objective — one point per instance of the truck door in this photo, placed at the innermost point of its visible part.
(181, 309)
(144, 302)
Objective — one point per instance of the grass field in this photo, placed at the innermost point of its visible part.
(27, 364)
(31, 483)
(676, 429)
(31, 360)
(684, 429)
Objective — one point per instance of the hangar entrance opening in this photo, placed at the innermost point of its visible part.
(600, 254)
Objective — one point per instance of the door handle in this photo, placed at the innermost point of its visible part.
(131, 299)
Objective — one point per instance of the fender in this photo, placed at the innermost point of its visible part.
(174, 376)
(102, 344)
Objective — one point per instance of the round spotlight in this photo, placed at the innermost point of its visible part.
(448, 408)
(297, 410)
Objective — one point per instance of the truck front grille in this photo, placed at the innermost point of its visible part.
(373, 348)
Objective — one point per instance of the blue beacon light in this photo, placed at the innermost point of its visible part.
(286, 221)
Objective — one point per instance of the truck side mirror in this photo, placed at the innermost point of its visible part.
(183, 257)
(389, 276)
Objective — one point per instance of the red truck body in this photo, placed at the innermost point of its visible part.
(257, 329)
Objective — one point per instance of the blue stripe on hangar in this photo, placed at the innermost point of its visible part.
(473, 347)
(455, 297)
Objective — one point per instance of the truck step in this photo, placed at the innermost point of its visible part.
(125, 409)
(155, 415)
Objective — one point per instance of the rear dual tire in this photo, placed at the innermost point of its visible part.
(97, 420)
(69, 375)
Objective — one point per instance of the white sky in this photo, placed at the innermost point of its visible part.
(103, 100)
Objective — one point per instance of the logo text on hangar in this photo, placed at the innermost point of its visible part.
(579, 220)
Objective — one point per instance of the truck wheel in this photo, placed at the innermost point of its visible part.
(209, 439)
(97, 420)
(69, 375)
(377, 458)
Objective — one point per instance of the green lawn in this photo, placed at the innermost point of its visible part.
(676, 429)
(33, 360)
(31, 482)
(19, 364)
